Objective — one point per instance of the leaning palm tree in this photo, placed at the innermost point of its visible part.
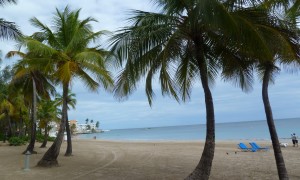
(285, 47)
(66, 48)
(188, 41)
(8, 30)
(71, 101)
(280, 39)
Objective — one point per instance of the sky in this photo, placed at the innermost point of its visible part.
(231, 104)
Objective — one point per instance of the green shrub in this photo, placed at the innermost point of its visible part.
(25, 138)
(51, 138)
(40, 138)
(16, 141)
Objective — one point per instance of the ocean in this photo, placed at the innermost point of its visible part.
(249, 130)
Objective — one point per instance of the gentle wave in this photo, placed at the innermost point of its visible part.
(250, 130)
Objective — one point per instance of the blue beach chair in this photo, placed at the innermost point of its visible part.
(254, 145)
(243, 147)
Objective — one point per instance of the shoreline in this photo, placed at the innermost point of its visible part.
(179, 140)
(127, 160)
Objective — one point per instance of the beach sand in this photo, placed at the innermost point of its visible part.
(112, 160)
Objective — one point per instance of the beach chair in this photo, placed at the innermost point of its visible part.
(254, 145)
(243, 147)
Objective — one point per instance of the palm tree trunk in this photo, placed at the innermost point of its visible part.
(69, 140)
(50, 157)
(30, 146)
(9, 134)
(45, 137)
(202, 170)
(282, 172)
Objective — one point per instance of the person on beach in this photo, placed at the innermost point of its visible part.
(295, 140)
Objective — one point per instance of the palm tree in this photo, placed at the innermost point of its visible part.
(33, 82)
(71, 101)
(69, 57)
(97, 124)
(285, 48)
(2, 2)
(282, 47)
(6, 104)
(187, 42)
(21, 114)
(8, 30)
(6, 111)
(47, 112)
(179, 41)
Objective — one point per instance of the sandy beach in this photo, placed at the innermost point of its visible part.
(112, 160)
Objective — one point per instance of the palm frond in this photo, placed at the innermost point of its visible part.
(9, 30)
(3, 2)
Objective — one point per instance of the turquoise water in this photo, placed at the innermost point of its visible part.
(250, 130)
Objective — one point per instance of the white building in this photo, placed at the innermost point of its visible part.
(53, 130)
(81, 128)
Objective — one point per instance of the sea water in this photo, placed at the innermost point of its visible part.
(250, 130)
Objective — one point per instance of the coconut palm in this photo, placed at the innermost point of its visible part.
(21, 114)
(285, 48)
(179, 42)
(47, 112)
(267, 72)
(3, 2)
(281, 41)
(32, 81)
(7, 106)
(187, 42)
(8, 30)
(6, 110)
(71, 101)
(12, 109)
(66, 47)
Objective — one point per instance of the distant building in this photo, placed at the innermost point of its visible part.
(71, 122)
(84, 128)
(93, 125)
(54, 128)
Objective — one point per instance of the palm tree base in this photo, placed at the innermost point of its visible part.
(68, 154)
(31, 152)
(47, 163)
(198, 174)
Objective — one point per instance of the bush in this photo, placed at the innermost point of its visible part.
(40, 138)
(1, 137)
(16, 141)
(25, 138)
(51, 138)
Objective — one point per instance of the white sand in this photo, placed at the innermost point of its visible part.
(96, 159)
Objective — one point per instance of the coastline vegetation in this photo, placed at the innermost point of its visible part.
(183, 43)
